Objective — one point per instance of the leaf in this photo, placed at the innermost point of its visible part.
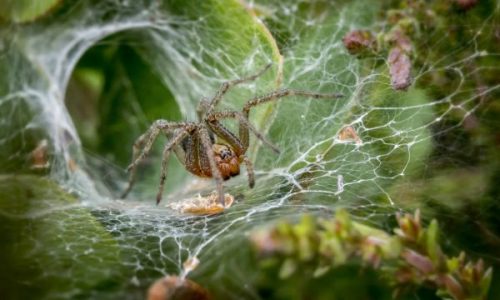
(287, 268)
(400, 68)
(399, 60)
(295, 127)
(432, 243)
(486, 281)
(51, 242)
(21, 11)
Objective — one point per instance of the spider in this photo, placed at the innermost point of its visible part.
(207, 148)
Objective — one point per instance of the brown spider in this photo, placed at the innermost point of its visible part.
(195, 145)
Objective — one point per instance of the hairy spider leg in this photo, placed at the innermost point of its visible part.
(145, 141)
(233, 141)
(202, 107)
(207, 144)
(238, 144)
(250, 172)
(228, 84)
(148, 137)
(274, 96)
(164, 163)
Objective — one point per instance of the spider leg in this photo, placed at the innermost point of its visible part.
(273, 96)
(207, 144)
(235, 143)
(164, 163)
(145, 141)
(228, 84)
(202, 107)
(148, 137)
(250, 172)
(221, 131)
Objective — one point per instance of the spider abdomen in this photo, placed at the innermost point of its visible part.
(195, 159)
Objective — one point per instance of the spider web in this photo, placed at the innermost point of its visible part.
(320, 169)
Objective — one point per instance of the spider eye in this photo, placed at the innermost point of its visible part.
(225, 153)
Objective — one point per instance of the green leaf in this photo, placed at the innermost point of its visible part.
(288, 268)
(432, 243)
(52, 242)
(20, 11)
(486, 282)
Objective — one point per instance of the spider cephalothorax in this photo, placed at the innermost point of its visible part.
(207, 148)
(227, 161)
(197, 162)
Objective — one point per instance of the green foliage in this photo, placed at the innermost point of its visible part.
(51, 245)
(409, 258)
(21, 11)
